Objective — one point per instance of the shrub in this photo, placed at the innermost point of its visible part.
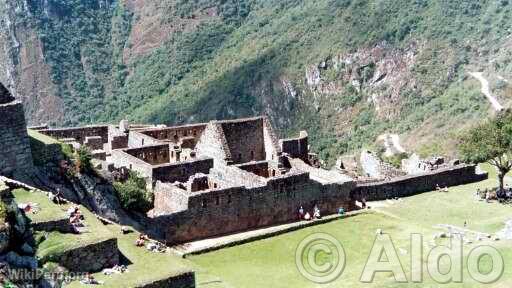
(133, 195)
(396, 160)
(83, 159)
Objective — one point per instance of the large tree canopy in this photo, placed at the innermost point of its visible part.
(490, 142)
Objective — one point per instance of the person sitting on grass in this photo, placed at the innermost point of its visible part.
(142, 240)
(90, 280)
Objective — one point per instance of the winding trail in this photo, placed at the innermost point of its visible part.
(486, 90)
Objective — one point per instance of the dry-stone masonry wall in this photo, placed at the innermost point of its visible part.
(15, 155)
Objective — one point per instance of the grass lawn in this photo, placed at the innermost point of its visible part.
(271, 262)
(48, 210)
(145, 266)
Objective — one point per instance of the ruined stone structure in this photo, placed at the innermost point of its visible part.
(222, 177)
(15, 155)
(414, 184)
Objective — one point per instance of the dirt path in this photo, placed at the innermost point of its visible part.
(486, 90)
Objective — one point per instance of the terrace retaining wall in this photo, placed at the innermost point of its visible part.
(185, 280)
(91, 258)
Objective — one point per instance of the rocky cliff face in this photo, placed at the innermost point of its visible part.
(23, 64)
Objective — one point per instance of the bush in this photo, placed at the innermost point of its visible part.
(83, 159)
(133, 195)
(396, 160)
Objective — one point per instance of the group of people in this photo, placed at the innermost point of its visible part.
(438, 188)
(90, 280)
(76, 218)
(152, 246)
(117, 269)
(489, 195)
(304, 215)
(29, 207)
(141, 241)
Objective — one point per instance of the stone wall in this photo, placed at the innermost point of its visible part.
(185, 280)
(245, 140)
(154, 154)
(181, 171)
(90, 258)
(415, 184)
(16, 154)
(60, 225)
(117, 138)
(137, 139)
(79, 133)
(260, 168)
(296, 147)
(45, 152)
(213, 143)
(167, 172)
(175, 134)
(222, 211)
(123, 159)
(169, 199)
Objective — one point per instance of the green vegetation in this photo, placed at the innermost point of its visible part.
(48, 211)
(417, 214)
(132, 193)
(55, 243)
(490, 142)
(145, 266)
(83, 160)
(396, 160)
(233, 59)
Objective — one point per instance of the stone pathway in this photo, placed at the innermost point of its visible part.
(486, 90)
(212, 244)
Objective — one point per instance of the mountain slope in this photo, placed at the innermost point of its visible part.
(346, 70)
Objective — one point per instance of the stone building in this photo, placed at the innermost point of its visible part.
(15, 155)
(222, 177)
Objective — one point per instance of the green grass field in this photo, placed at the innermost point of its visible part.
(271, 262)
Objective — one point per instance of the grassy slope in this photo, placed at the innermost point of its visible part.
(274, 257)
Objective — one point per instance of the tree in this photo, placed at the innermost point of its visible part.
(490, 142)
(132, 193)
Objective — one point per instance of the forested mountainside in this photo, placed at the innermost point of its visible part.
(345, 70)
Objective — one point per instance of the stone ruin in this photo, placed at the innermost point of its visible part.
(222, 177)
(215, 178)
(15, 155)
